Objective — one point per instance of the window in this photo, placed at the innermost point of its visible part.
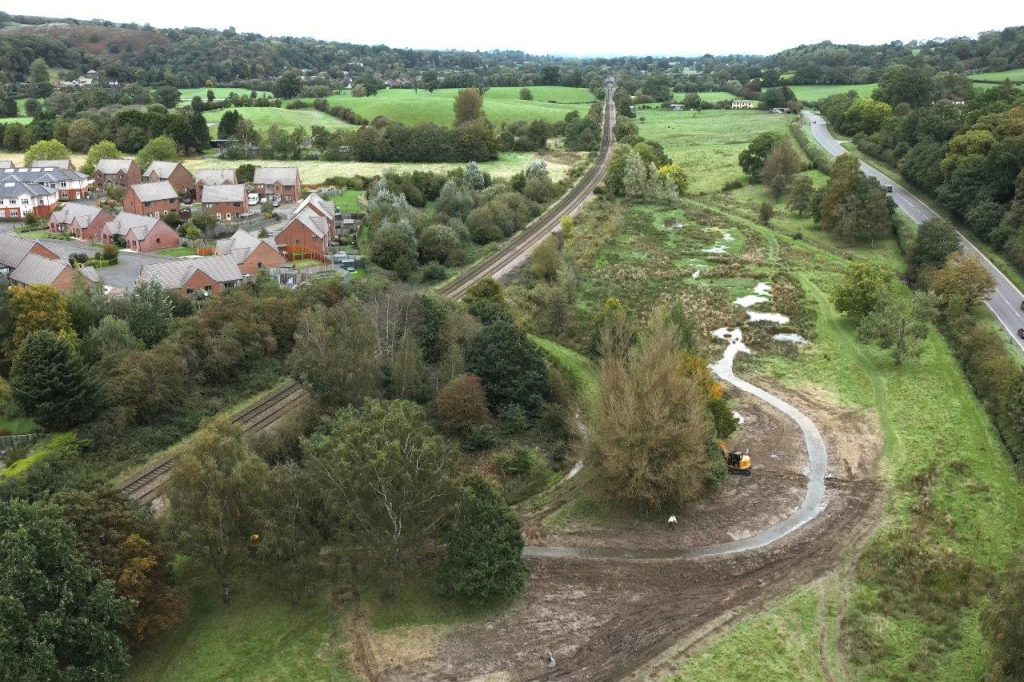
(158, 240)
(208, 288)
(218, 216)
(189, 292)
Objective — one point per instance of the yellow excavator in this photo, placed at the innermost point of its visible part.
(738, 463)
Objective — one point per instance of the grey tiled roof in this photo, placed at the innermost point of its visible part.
(173, 274)
(113, 166)
(215, 194)
(52, 163)
(6, 163)
(162, 168)
(314, 199)
(35, 269)
(125, 222)
(12, 189)
(241, 244)
(268, 176)
(314, 221)
(71, 210)
(154, 191)
(216, 176)
(39, 175)
(13, 249)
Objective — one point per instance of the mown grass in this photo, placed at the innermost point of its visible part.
(260, 635)
(715, 96)
(264, 117)
(707, 143)
(813, 93)
(177, 252)
(501, 105)
(348, 201)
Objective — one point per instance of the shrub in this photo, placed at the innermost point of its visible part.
(434, 272)
(514, 420)
(462, 405)
(480, 437)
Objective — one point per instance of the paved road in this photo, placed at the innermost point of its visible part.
(817, 468)
(1005, 301)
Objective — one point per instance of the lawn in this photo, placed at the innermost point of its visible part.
(177, 252)
(707, 143)
(813, 93)
(349, 201)
(261, 635)
(501, 105)
(24, 120)
(219, 93)
(264, 117)
(36, 234)
(305, 263)
(316, 172)
(1015, 75)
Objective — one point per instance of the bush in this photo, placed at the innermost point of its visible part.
(462, 405)
(514, 420)
(480, 437)
(433, 272)
(109, 253)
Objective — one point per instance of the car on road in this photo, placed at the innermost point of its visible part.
(1020, 333)
(1022, 305)
(888, 188)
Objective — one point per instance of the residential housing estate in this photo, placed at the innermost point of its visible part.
(121, 173)
(171, 171)
(151, 198)
(282, 184)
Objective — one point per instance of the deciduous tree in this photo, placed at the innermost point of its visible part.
(468, 106)
(46, 149)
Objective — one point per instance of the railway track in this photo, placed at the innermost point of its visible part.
(144, 486)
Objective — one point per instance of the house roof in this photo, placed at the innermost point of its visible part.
(139, 224)
(34, 269)
(173, 274)
(12, 189)
(42, 175)
(163, 169)
(215, 194)
(315, 222)
(71, 210)
(14, 249)
(154, 191)
(4, 163)
(52, 163)
(216, 176)
(239, 245)
(272, 175)
(313, 201)
(113, 166)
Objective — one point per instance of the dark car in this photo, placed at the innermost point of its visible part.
(1020, 333)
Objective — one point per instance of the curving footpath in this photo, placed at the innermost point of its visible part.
(810, 507)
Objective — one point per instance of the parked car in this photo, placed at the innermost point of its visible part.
(254, 198)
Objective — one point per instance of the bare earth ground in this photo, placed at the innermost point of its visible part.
(605, 619)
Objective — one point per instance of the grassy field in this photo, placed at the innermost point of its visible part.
(501, 105)
(707, 143)
(264, 117)
(259, 636)
(1015, 75)
(812, 93)
(349, 201)
(219, 93)
(24, 120)
(316, 172)
(908, 607)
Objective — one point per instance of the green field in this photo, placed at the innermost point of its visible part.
(316, 172)
(1015, 75)
(264, 117)
(716, 96)
(813, 93)
(24, 120)
(259, 636)
(501, 105)
(219, 93)
(707, 143)
(349, 201)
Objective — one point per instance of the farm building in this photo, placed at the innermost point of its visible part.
(744, 104)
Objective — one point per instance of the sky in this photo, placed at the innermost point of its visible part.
(571, 27)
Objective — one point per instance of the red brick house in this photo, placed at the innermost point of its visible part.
(171, 171)
(251, 253)
(121, 173)
(213, 176)
(79, 221)
(21, 199)
(226, 201)
(189, 276)
(278, 183)
(58, 274)
(307, 235)
(151, 198)
(318, 204)
(139, 232)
